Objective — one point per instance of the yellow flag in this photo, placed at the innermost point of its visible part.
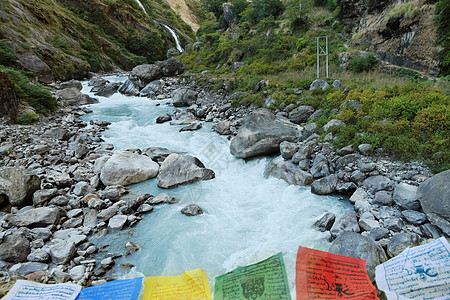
(189, 285)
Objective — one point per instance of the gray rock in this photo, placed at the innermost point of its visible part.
(222, 127)
(23, 270)
(59, 201)
(434, 196)
(400, 242)
(14, 248)
(181, 169)
(318, 84)
(310, 129)
(357, 177)
(429, 231)
(345, 150)
(117, 222)
(163, 119)
(358, 246)
(40, 233)
(338, 85)
(145, 208)
(261, 134)
(367, 167)
(351, 104)
(346, 222)
(394, 224)
(228, 14)
(90, 218)
(38, 255)
(153, 88)
(192, 127)
(192, 210)
(161, 198)
(61, 251)
(107, 263)
(365, 149)
(326, 222)
(126, 167)
(346, 188)
(260, 85)
(378, 233)
(414, 217)
(77, 272)
(40, 196)
(405, 195)
(144, 74)
(172, 67)
(108, 213)
(325, 186)
(18, 185)
(132, 246)
(183, 97)
(73, 97)
(332, 123)
(383, 198)
(349, 159)
(129, 88)
(70, 84)
(320, 166)
(83, 188)
(58, 133)
(37, 217)
(301, 114)
(368, 224)
(6, 149)
(288, 171)
(109, 89)
(377, 183)
(236, 66)
(288, 149)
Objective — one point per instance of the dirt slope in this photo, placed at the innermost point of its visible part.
(185, 12)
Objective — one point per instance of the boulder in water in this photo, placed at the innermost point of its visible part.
(184, 97)
(180, 169)
(144, 74)
(126, 167)
(73, 97)
(129, 88)
(288, 171)
(261, 134)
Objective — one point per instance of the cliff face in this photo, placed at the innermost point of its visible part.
(400, 32)
(63, 39)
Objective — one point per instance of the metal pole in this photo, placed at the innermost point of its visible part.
(326, 41)
(318, 57)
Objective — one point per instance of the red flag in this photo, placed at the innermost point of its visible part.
(323, 275)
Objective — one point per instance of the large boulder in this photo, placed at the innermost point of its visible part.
(325, 186)
(129, 88)
(183, 97)
(9, 103)
(35, 217)
(73, 97)
(126, 167)
(261, 134)
(405, 196)
(355, 245)
(288, 171)
(180, 169)
(18, 185)
(144, 74)
(14, 248)
(172, 67)
(378, 183)
(109, 89)
(318, 84)
(301, 114)
(153, 88)
(434, 196)
(346, 222)
(61, 251)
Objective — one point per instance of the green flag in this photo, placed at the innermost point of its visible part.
(264, 280)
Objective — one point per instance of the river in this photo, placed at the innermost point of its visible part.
(247, 217)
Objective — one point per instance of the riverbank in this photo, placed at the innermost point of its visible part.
(66, 199)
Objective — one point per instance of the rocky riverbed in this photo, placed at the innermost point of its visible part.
(59, 184)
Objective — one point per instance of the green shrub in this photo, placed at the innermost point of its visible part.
(7, 56)
(403, 10)
(442, 12)
(28, 118)
(300, 44)
(35, 94)
(363, 63)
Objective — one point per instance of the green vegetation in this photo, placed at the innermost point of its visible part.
(28, 118)
(443, 23)
(406, 115)
(403, 10)
(36, 95)
(7, 56)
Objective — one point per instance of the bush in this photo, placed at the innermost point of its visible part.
(363, 63)
(301, 43)
(38, 96)
(28, 118)
(403, 10)
(7, 56)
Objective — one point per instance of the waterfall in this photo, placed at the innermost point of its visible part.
(142, 6)
(175, 36)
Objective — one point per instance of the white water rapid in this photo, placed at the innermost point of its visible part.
(247, 218)
(175, 36)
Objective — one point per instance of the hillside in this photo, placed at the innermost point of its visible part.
(64, 39)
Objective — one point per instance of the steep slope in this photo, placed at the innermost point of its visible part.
(402, 33)
(63, 39)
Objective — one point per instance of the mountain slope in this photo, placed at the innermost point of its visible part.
(63, 39)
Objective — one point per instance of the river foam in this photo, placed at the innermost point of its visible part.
(247, 217)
